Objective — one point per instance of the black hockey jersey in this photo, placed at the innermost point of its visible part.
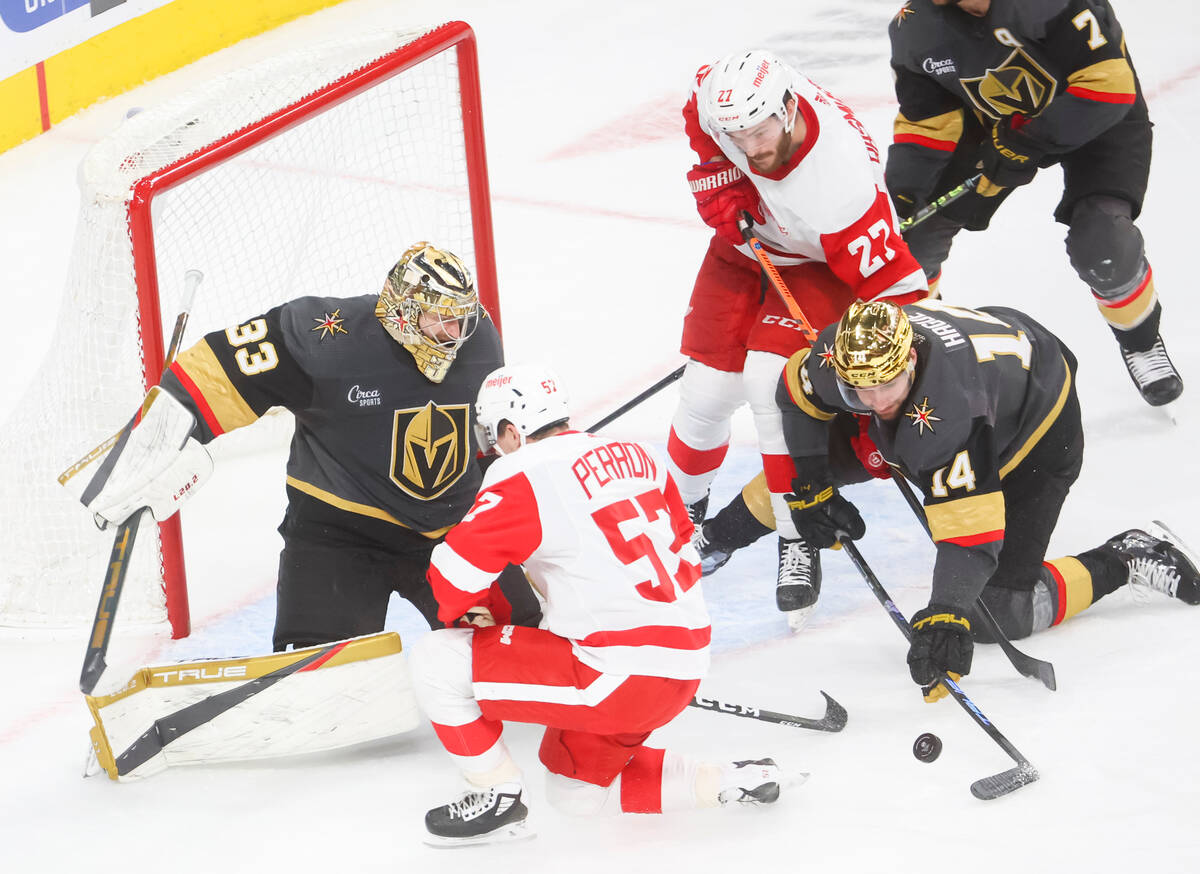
(373, 436)
(988, 385)
(1061, 64)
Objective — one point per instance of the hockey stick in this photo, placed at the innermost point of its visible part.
(985, 788)
(949, 197)
(834, 719)
(629, 405)
(118, 561)
(1026, 665)
(764, 260)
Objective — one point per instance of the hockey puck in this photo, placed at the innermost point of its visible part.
(927, 747)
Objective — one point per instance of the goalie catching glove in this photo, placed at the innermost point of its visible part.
(722, 193)
(156, 464)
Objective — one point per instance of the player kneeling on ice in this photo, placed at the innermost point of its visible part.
(605, 538)
(978, 409)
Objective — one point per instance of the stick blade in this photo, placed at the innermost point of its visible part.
(835, 717)
(93, 668)
(997, 785)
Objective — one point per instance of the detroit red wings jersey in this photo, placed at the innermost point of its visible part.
(828, 202)
(605, 539)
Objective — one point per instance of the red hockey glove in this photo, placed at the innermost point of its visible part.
(722, 191)
(868, 453)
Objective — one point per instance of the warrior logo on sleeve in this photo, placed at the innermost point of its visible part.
(429, 448)
(1017, 85)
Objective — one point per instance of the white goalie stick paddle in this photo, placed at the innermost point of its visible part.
(834, 719)
(118, 562)
(985, 788)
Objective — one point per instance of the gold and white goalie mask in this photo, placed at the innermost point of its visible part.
(430, 307)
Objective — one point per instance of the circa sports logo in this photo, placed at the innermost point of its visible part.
(939, 68)
(364, 397)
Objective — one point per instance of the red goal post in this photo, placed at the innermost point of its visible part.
(307, 174)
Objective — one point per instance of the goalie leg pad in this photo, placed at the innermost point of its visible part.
(223, 710)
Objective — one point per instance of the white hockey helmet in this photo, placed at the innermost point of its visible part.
(745, 88)
(433, 286)
(529, 396)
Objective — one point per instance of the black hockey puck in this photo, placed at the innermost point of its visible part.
(927, 747)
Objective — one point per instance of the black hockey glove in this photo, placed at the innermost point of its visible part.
(820, 512)
(941, 641)
(1010, 158)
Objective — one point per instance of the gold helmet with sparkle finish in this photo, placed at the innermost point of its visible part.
(430, 307)
(872, 343)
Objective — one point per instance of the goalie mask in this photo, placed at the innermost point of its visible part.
(531, 398)
(871, 346)
(745, 88)
(430, 307)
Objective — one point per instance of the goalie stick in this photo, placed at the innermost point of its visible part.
(985, 788)
(834, 719)
(1026, 665)
(118, 562)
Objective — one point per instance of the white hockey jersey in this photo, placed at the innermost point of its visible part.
(605, 539)
(828, 202)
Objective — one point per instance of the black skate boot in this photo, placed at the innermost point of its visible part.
(1158, 562)
(1153, 374)
(479, 816)
(799, 580)
(754, 781)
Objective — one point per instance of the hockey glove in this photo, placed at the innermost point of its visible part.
(1010, 158)
(819, 513)
(722, 192)
(941, 641)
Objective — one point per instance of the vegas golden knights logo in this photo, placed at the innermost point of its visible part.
(1017, 85)
(429, 448)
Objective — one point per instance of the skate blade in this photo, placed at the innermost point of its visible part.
(797, 619)
(506, 834)
(1158, 529)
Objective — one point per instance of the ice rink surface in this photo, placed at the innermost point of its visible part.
(597, 246)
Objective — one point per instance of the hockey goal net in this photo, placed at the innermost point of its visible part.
(306, 174)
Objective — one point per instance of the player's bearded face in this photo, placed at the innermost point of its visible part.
(767, 145)
(886, 400)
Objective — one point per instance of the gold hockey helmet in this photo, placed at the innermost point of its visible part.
(872, 343)
(430, 307)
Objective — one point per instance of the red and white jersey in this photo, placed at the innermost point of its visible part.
(605, 539)
(828, 202)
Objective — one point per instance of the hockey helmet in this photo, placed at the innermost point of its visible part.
(530, 397)
(430, 307)
(872, 344)
(745, 88)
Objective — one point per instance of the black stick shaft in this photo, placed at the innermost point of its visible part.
(1026, 665)
(955, 692)
(949, 197)
(630, 404)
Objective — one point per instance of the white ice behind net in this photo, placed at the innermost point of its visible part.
(324, 208)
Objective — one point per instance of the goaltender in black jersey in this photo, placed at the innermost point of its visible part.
(382, 459)
(1003, 87)
(977, 408)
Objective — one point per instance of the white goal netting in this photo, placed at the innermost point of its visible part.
(306, 174)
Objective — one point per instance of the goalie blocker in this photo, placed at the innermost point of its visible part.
(308, 700)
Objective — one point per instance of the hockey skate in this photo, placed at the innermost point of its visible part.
(480, 816)
(1158, 562)
(799, 581)
(754, 781)
(1153, 374)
